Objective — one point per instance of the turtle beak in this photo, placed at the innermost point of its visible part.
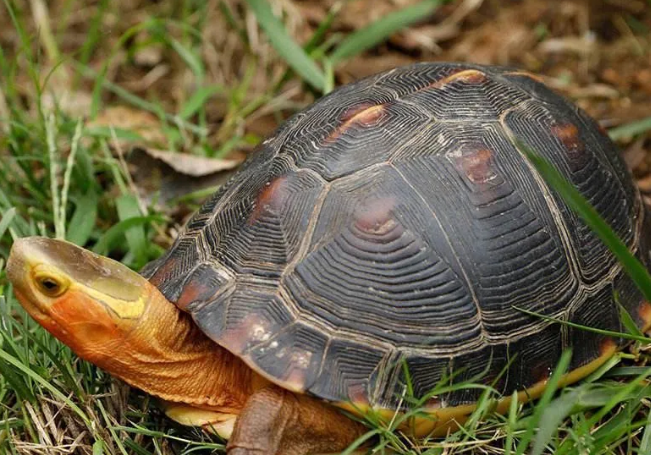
(85, 300)
(43, 270)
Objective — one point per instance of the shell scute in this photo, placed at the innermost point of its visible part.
(354, 141)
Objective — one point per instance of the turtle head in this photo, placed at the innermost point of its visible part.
(89, 302)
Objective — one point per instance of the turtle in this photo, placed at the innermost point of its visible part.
(387, 239)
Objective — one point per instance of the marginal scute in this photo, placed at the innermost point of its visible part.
(392, 232)
(607, 346)
(644, 311)
(293, 356)
(203, 285)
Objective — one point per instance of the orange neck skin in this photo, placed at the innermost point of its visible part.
(163, 353)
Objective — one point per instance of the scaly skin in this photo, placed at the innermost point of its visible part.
(114, 318)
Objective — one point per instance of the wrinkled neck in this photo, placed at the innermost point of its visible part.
(166, 355)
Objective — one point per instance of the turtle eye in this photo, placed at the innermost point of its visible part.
(50, 286)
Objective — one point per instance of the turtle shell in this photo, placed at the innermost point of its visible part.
(392, 233)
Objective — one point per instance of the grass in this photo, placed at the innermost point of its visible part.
(63, 174)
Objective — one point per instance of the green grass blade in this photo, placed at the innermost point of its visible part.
(609, 333)
(373, 34)
(320, 33)
(630, 129)
(5, 221)
(193, 61)
(288, 49)
(198, 100)
(551, 418)
(511, 423)
(645, 443)
(24, 369)
(83, 218)
(127, 206)
(544, 401)
(575, 200)
(627, 321)
(103, 245)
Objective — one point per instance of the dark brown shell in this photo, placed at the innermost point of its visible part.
(394, 223)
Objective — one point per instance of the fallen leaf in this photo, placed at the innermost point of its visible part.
(162, 175)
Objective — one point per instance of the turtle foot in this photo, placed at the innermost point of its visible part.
(275, 421)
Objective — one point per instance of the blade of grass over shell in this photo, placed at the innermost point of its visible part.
(286, 47)
(627, 320)
(609, 333)
(630, 129)
(575, 200)
(378, 31)
(543, 403)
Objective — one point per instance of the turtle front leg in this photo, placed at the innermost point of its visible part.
(275, 421)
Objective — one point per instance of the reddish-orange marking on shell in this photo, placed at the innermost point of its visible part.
(477, 166)
(526, 74)
(193, 291)
(644, 311)
(252, 329)
(568, 135)
(272, 197)
(357, 394)
(376, 214)
(467, 76)
(365, 114)
(541, 372)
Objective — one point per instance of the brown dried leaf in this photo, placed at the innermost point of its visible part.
(172, 175)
